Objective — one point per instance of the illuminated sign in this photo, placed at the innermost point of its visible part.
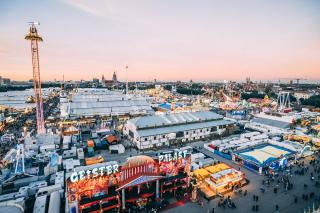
(93, 173)
(173, 156)
(142, 179)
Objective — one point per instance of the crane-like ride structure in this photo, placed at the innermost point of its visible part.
(34, 38)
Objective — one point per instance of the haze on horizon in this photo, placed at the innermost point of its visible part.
(207, 40)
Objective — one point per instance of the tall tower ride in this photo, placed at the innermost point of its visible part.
(35, 38)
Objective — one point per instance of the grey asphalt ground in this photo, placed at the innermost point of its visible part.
(267, 200)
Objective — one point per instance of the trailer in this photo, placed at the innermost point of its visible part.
(47, 148)
(72, 153)
(55, 202)
(40, 204)
(117, 149)
(80, 153)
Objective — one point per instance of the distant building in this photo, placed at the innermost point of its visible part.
(160, 130)
(103, 81)
(21, 83)
(248, 81)
(4, 81)
(157, 86)
(95, 80)
(109, 83)
(114, 78)
(302, 95)
(249, 86)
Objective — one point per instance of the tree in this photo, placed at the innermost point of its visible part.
(168, 87)
(312, 101)
(255, 94)
(268, 90)
(188, 91)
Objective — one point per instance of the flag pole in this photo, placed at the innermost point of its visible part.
(126, 79)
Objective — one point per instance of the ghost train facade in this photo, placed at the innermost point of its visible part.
(138, 183)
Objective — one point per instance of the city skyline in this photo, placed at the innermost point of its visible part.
(167, 40)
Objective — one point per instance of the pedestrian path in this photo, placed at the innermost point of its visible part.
(266, 201)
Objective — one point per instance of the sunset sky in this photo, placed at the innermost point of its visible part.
(202, 40)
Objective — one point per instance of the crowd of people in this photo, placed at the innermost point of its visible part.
(283, 181)
(226, 203)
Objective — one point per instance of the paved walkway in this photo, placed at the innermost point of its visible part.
(267, 201)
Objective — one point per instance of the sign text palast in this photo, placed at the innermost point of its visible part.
(174, 156)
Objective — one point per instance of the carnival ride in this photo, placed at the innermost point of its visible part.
(283, 102)
(34, 38)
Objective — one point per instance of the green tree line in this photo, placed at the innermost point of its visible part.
(312, 101)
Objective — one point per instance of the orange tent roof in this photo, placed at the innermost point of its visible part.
(111, 138)
(90, 143)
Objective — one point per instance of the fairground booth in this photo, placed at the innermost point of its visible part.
(218, 179)
(140, 182)
(263, 157)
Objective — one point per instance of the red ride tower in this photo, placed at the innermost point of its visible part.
(35, 38)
